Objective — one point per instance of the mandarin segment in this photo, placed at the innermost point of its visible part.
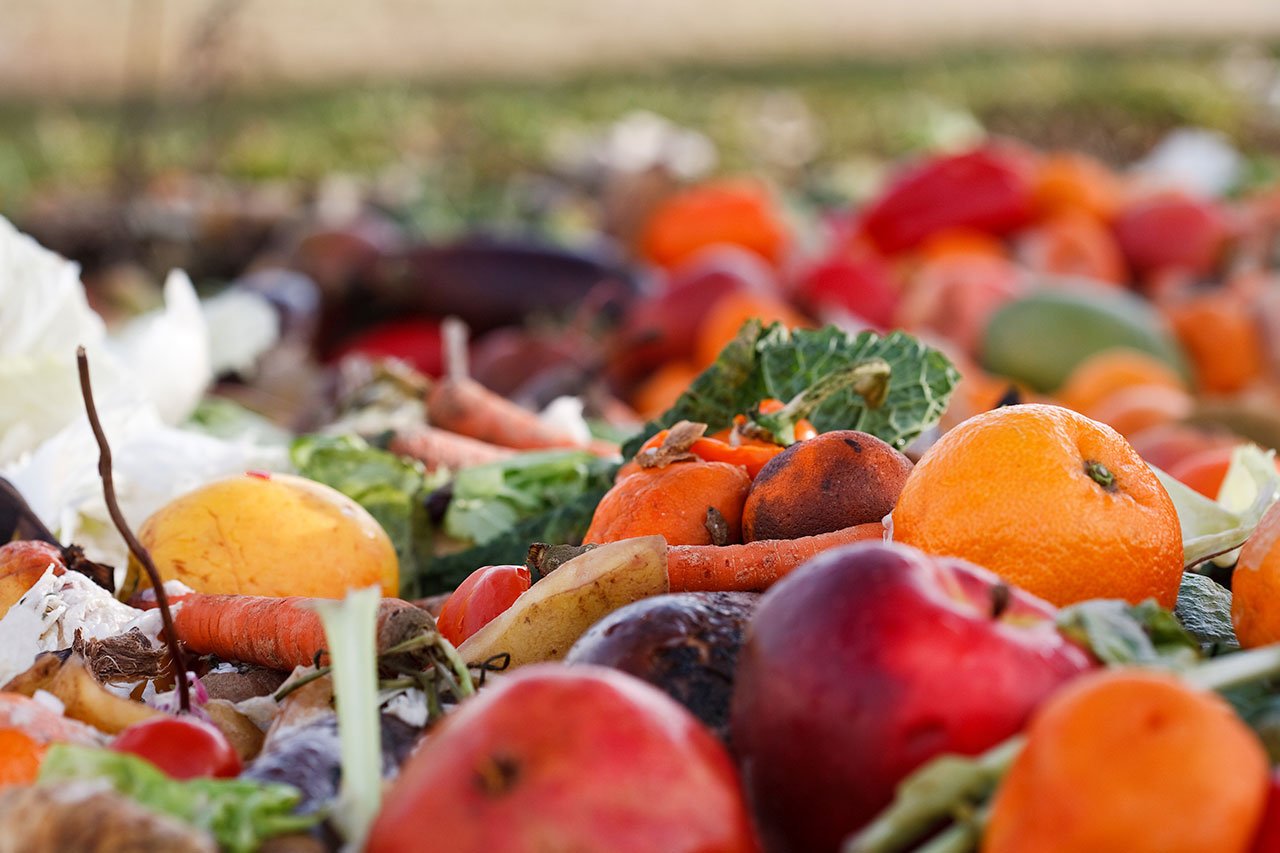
(1051, 501)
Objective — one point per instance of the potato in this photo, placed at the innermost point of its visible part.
(546, 620)
(268, 534)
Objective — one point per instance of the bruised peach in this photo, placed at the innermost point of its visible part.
(835, 480)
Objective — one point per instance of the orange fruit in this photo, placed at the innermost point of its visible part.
(726, 317)
(660, 390)
(1255, 584)
(1075, 183)
(20, 758)
(1132, 410)
(1134, 761)
(737, 213)
(1111, 370)
(1049, 500)
(673, 502)
(1223, 339)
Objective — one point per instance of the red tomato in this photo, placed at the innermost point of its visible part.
(484, 595)
(863, 286)
(183, 747)
(988, 189)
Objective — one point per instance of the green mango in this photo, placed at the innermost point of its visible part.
(1040, 338)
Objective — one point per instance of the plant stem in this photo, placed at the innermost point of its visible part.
(1233, 670)
(135, 547)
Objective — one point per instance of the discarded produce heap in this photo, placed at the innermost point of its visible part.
(951, 522)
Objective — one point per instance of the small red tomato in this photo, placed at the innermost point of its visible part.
(485, 594)
(183, 747)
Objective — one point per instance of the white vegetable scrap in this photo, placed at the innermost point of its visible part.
(57, 605)
(146, 380)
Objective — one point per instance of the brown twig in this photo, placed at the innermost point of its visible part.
(135, 547)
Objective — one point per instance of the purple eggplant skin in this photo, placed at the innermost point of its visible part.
(685, 644)
(491, 282)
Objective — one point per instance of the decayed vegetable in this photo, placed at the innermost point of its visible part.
(239, 813)
(83, 698)
(89, 818)
(685, 644)
(545, 621)
(676, 502)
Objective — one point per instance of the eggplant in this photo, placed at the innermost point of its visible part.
(491, 282)
(686, 644)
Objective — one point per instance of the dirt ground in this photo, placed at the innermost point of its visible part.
(102, 48)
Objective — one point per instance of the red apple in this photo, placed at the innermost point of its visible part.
(22, 563)
(1171, 231)
(867, 662)
(567, 758)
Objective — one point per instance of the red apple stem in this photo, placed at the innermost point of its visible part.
(135, 547)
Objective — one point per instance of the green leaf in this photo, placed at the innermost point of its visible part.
(1119, 633)
(783, 364)
(565, 524)
(239, 813)
(1204, 610)
(942, 788)
(730, 386)
(488, 500)
(920, 383)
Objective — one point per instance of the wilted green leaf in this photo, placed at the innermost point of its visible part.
(1119, 633)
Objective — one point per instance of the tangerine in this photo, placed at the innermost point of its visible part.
(1132, 760)
(1106, 372)
(1255, 584)
(1051, 501)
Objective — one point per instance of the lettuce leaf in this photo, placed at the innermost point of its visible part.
(239, 813)
(781, 363)
(488, 500)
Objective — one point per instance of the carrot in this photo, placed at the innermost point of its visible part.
(755, 565)
(438, 448)
(466, 407)
(279, 633)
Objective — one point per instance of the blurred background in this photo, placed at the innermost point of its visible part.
(355, 144)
